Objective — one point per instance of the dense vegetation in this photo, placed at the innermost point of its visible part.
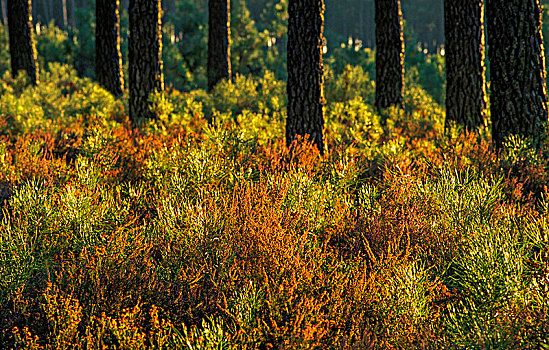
(181, 233)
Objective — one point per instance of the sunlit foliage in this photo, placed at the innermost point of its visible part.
(185, 233)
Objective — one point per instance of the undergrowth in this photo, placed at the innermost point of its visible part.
(200, 230)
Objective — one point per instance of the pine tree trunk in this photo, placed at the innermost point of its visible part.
(45, 13)
(22, 49)
(144, 55)
(389, 54)
(465, 69)
(4, 13)
(51, 15)
(517, 69)
(219, 33)
(344, 16)
(65, 14)
(305, 85)
(361, 22)
(73, 14)
(108, 59)
(370, 27)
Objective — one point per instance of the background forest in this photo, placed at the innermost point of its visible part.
(65, 34)
(201, 229)
(258, 38)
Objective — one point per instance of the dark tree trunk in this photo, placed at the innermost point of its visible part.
(73, 14)
(465, 70)
(389, 54)
(305, 71)
(361, 22)
(144, 55)
(51, 15)
(108, 59)
(22, 49)
(370, 27)
(517, 69)
(219, 33)
(345, 18)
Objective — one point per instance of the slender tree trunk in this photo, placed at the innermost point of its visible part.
(108, 59)
(389, 54)
(65, 15)
(57, 12)
(73, 14)
(344, 21)
(144, 55)
(4, 13)
(219, 34)
(45, 8)
(361, 22)
(305, 85)
(370, 27)
(440, 36)
(517, 69)
(465, 70)
(51, 15)
(22, 49)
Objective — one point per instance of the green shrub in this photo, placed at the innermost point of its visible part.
(353, 82)
(52, 45)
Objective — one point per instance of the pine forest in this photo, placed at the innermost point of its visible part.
(274, 174)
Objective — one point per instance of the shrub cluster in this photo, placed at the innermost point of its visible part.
(200, 230)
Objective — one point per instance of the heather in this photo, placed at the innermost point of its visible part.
(202, 230)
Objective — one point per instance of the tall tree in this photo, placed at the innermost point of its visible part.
(73, 14)
(389, 54)
(465, 69)
(108, 59)
(22, 49)
(65, 14)
(219, 33)
(305, 85)
(4, 13)
(51, 8)
(144, 55)
(517, 69)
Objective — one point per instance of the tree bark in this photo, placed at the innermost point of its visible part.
(108, 59)
(389, 54)
(22, 49)
(219, 33)
(517, 69)
(305, 85)
(465, 69)
(144, 55)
